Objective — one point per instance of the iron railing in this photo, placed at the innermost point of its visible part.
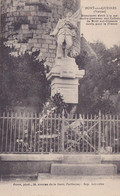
(33, 133)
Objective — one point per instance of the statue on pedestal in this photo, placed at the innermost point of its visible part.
(65, 30)
(65, 75)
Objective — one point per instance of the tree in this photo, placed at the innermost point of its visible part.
(23, 80)
(102, 76)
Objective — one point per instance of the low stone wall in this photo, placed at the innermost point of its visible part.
(111, 159)
(28, 164)
(23, 164)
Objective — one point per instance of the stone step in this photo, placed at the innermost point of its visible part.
(84, 169)
(20, 177)
(82, 159)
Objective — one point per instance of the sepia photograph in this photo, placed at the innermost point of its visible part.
(60, 97)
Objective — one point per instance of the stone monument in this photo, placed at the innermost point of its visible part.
(26, 27)
(65, 75)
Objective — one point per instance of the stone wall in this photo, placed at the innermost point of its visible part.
(23, 164)
(26, 25)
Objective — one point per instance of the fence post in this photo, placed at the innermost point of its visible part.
(99, 133)
(2, 141)
(62, 131)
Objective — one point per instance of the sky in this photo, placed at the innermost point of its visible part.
(110, 34)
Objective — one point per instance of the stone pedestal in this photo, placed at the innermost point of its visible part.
(64, 77)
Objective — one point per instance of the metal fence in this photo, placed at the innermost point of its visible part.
(32, 133)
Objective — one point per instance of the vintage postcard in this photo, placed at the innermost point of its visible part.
(60, 97)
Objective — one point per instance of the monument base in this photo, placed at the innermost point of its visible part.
(64, 77)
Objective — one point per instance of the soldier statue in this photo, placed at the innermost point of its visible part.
(65, 30)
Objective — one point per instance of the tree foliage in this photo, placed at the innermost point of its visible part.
(23, 80)
(102, 80)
